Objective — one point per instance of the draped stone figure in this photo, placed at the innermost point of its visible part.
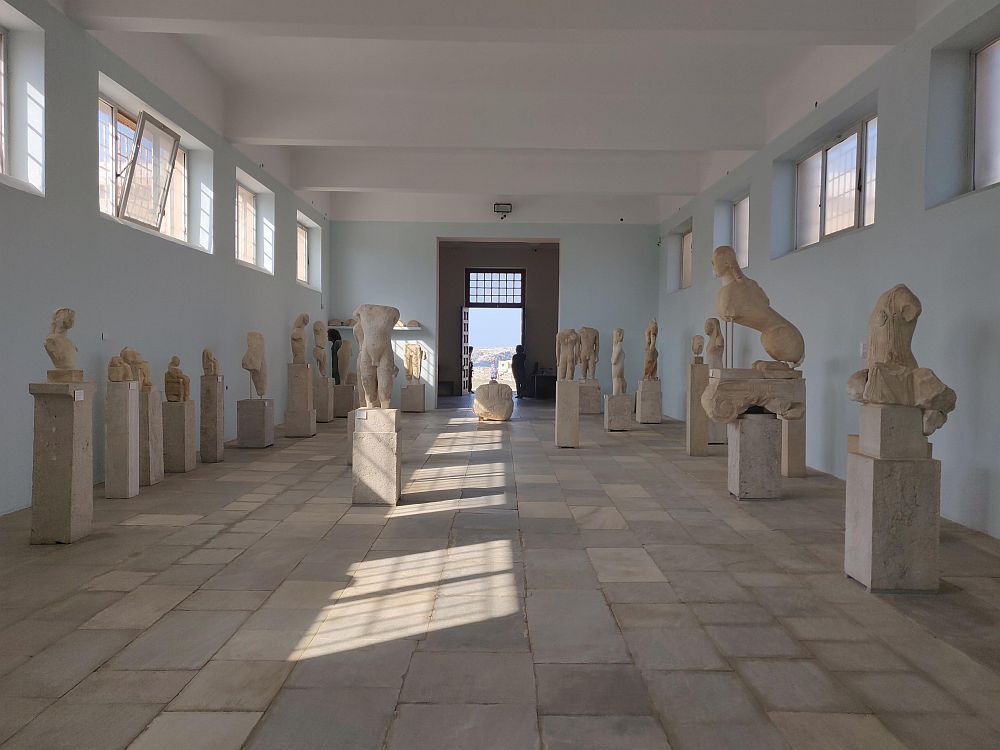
(209, 364)
(590, 350)
(413, 356)
(618, 384)
(255, 362)
(567, 353)
(298, 339)
(376, 368)
(716, 344)
(652, 356)
(176, 385)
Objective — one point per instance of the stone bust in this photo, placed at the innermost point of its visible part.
(58, 346)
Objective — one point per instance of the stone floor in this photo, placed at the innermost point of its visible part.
(612, 596)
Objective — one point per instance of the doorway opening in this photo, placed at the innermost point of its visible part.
(494, 333)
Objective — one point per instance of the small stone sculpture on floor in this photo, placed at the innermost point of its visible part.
(61, 349)
(376, 368)
(567, 353)
(590, 350)
(255, 362)
(652, 356)
(716, 344)
(118, 370)
(299, 339)
(413, 356)
(618, 384)
(319, 349)
(209, 364)
(176, 385)
(493, 402)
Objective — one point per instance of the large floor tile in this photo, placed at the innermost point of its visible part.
(602, 733)
(433, 727)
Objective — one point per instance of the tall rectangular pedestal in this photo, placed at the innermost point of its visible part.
(718, 433)
(590, 397)
(213, 418)
(618, 411)
(180, 453)
(793, 447)
(413, 397)
(150, 438)
(300, 414)
(323, 398)
(350, 436)
(62, 473)
(344, 400)
(697, 424)
(255, 422)
(649, 402)
(567, 414)
(121, 440)
(377, 464)
(755, 457)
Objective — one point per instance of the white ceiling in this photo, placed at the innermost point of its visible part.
(648, 100)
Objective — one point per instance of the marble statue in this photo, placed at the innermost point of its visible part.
(590, 350)
(652, 356)
(697, 345)
(176, 385)
(319, 349)
(413, 360)
(567, 353)
(118, 370)
(209, 364)
(618, 384)
(493, 402)
(716, 344)
(255, 362)
(741, 300)
(344, 354)
(60, 349)
(139, 367)
(359, 338)
(376, 368)
(893, 376)
(299, 339)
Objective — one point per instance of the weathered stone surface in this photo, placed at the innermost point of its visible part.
(590, 397)
(697, 421)
(618, 382)
(298, 338)
(150, 438)
(180, 453)
(590, 354)
(567, 354)
(323, 398)
(618, 411)
(413, 397)
(567, 414)
(300, 413)
(793, 446)
(377, 420)
(61, 349)
(493, 402)
(255, 422)
(651, 361)
(649, 402)
(213, 418)
(255, 362)
(755, 457)
(891, 431)
(376, 366)
(377, 457)
(731, 392)
(121, 439)
(345, 400)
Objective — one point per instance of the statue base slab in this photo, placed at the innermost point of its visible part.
(590, 397)
(717, 433)
(649, 402)
(567, 414)
(212, 430)
(300, 423)
(180, 452)
(618, 411)
(324, 398)
(345, 400)
(150, 438)
(62, 473)
(377, 465)
(255, 422)
(121, 440)
(65, 376)
(300, 413)
(697, 426)
(412, 397)
(755, 457)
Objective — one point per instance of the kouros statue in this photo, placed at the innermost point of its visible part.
(376, 368)
(176, 385)
(652, 356)
(118, 370)
(139, 367)
(299, 339)
(319, 349)
(893, 376)
(618, 385)
(255, 362)
(61, 350)
(567, 353)
(209, 364)
(716, 344)
(413, 360)
(741, 300)
(697, 345)
(590, 350)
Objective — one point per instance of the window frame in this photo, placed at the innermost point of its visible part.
(973, 150)
(256, 262)
(732, 227)
(4, 100)
(468, 287)
(141, 122)
(686, 266)
(301, 230)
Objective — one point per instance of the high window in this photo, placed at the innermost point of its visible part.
(687, 252)
(835, 186)
(302, 253)
(494, 288)
(246, 225)
(741, 230)
(986, 169)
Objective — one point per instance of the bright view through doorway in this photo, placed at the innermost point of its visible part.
(493, 334)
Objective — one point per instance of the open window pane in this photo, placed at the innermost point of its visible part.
(106, 157)
(871, 153)
(808, 187)
(246, 225)
(302, 253)
(842, 185)
(987, 159)
(687, 250)
(3, 101)
(741, 231)
(175, 215)
(148, 175)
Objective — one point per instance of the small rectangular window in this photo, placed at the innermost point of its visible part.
(841, 185)
(175, 214)
(3, 101)
(246, 225)
(687, 251)
(302, 253)
(494, 288)
(808, 188)
(741, 231)
(150, 168)
(986, 168)
(871, 169)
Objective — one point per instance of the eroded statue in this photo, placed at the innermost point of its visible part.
(376, 368)
(139, 367)
(567, 353)
(651, 360)
(209, 364)
(716, 344)
(590, 352)
(118, 370)
(413, 361)
(344, 354)
(176, 385)
(319, 348)
(60, 349)
(298, 339)
(493, 402)
(255, 362)
(697, 345)
(618, 384)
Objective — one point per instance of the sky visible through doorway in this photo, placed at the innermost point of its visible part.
(493, 334)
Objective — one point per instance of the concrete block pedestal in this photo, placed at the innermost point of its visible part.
(180, 453)
(345, 400)
(413, 397)
(377, 462)
(121, 440)
(649, 402)
(150, 438)
(698, 424)
(567, 414)
(590, 397)
(323, 398)
(618, 411)
(300, 414)
(255, 423)
(62, 473)
(213, 418)
(755, 457)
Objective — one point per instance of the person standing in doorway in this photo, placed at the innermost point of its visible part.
(518, 367)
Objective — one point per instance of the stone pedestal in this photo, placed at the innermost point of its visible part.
(649, 402)
(567, 414)
(62, 473)
(180, 453)
(412, 397)
(344, 400)
(350, 436)
(697, 421)
(755, 457)
(590, 397)
(213, 418)
(323, 398)
(377, 464)
(121, 440)
(300, 414)
(255, 422)
(892, 520)
(150, 438)
(717, 433)
(618, 411)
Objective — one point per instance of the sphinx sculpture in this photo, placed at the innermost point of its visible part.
(139, 368)
(61, 349)
(567, 353)
(176, 385)
(716, 344)
(118, 370)
(376, 368)
(298, 339)
(590, 350)
(652, 356)
(209, 364)
(319, 348)
(255, 362)
(413, 360)
(893, 376)
(742, 301)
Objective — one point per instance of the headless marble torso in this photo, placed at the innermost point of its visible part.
(376, 369)
(567, 353)
(590, 349)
